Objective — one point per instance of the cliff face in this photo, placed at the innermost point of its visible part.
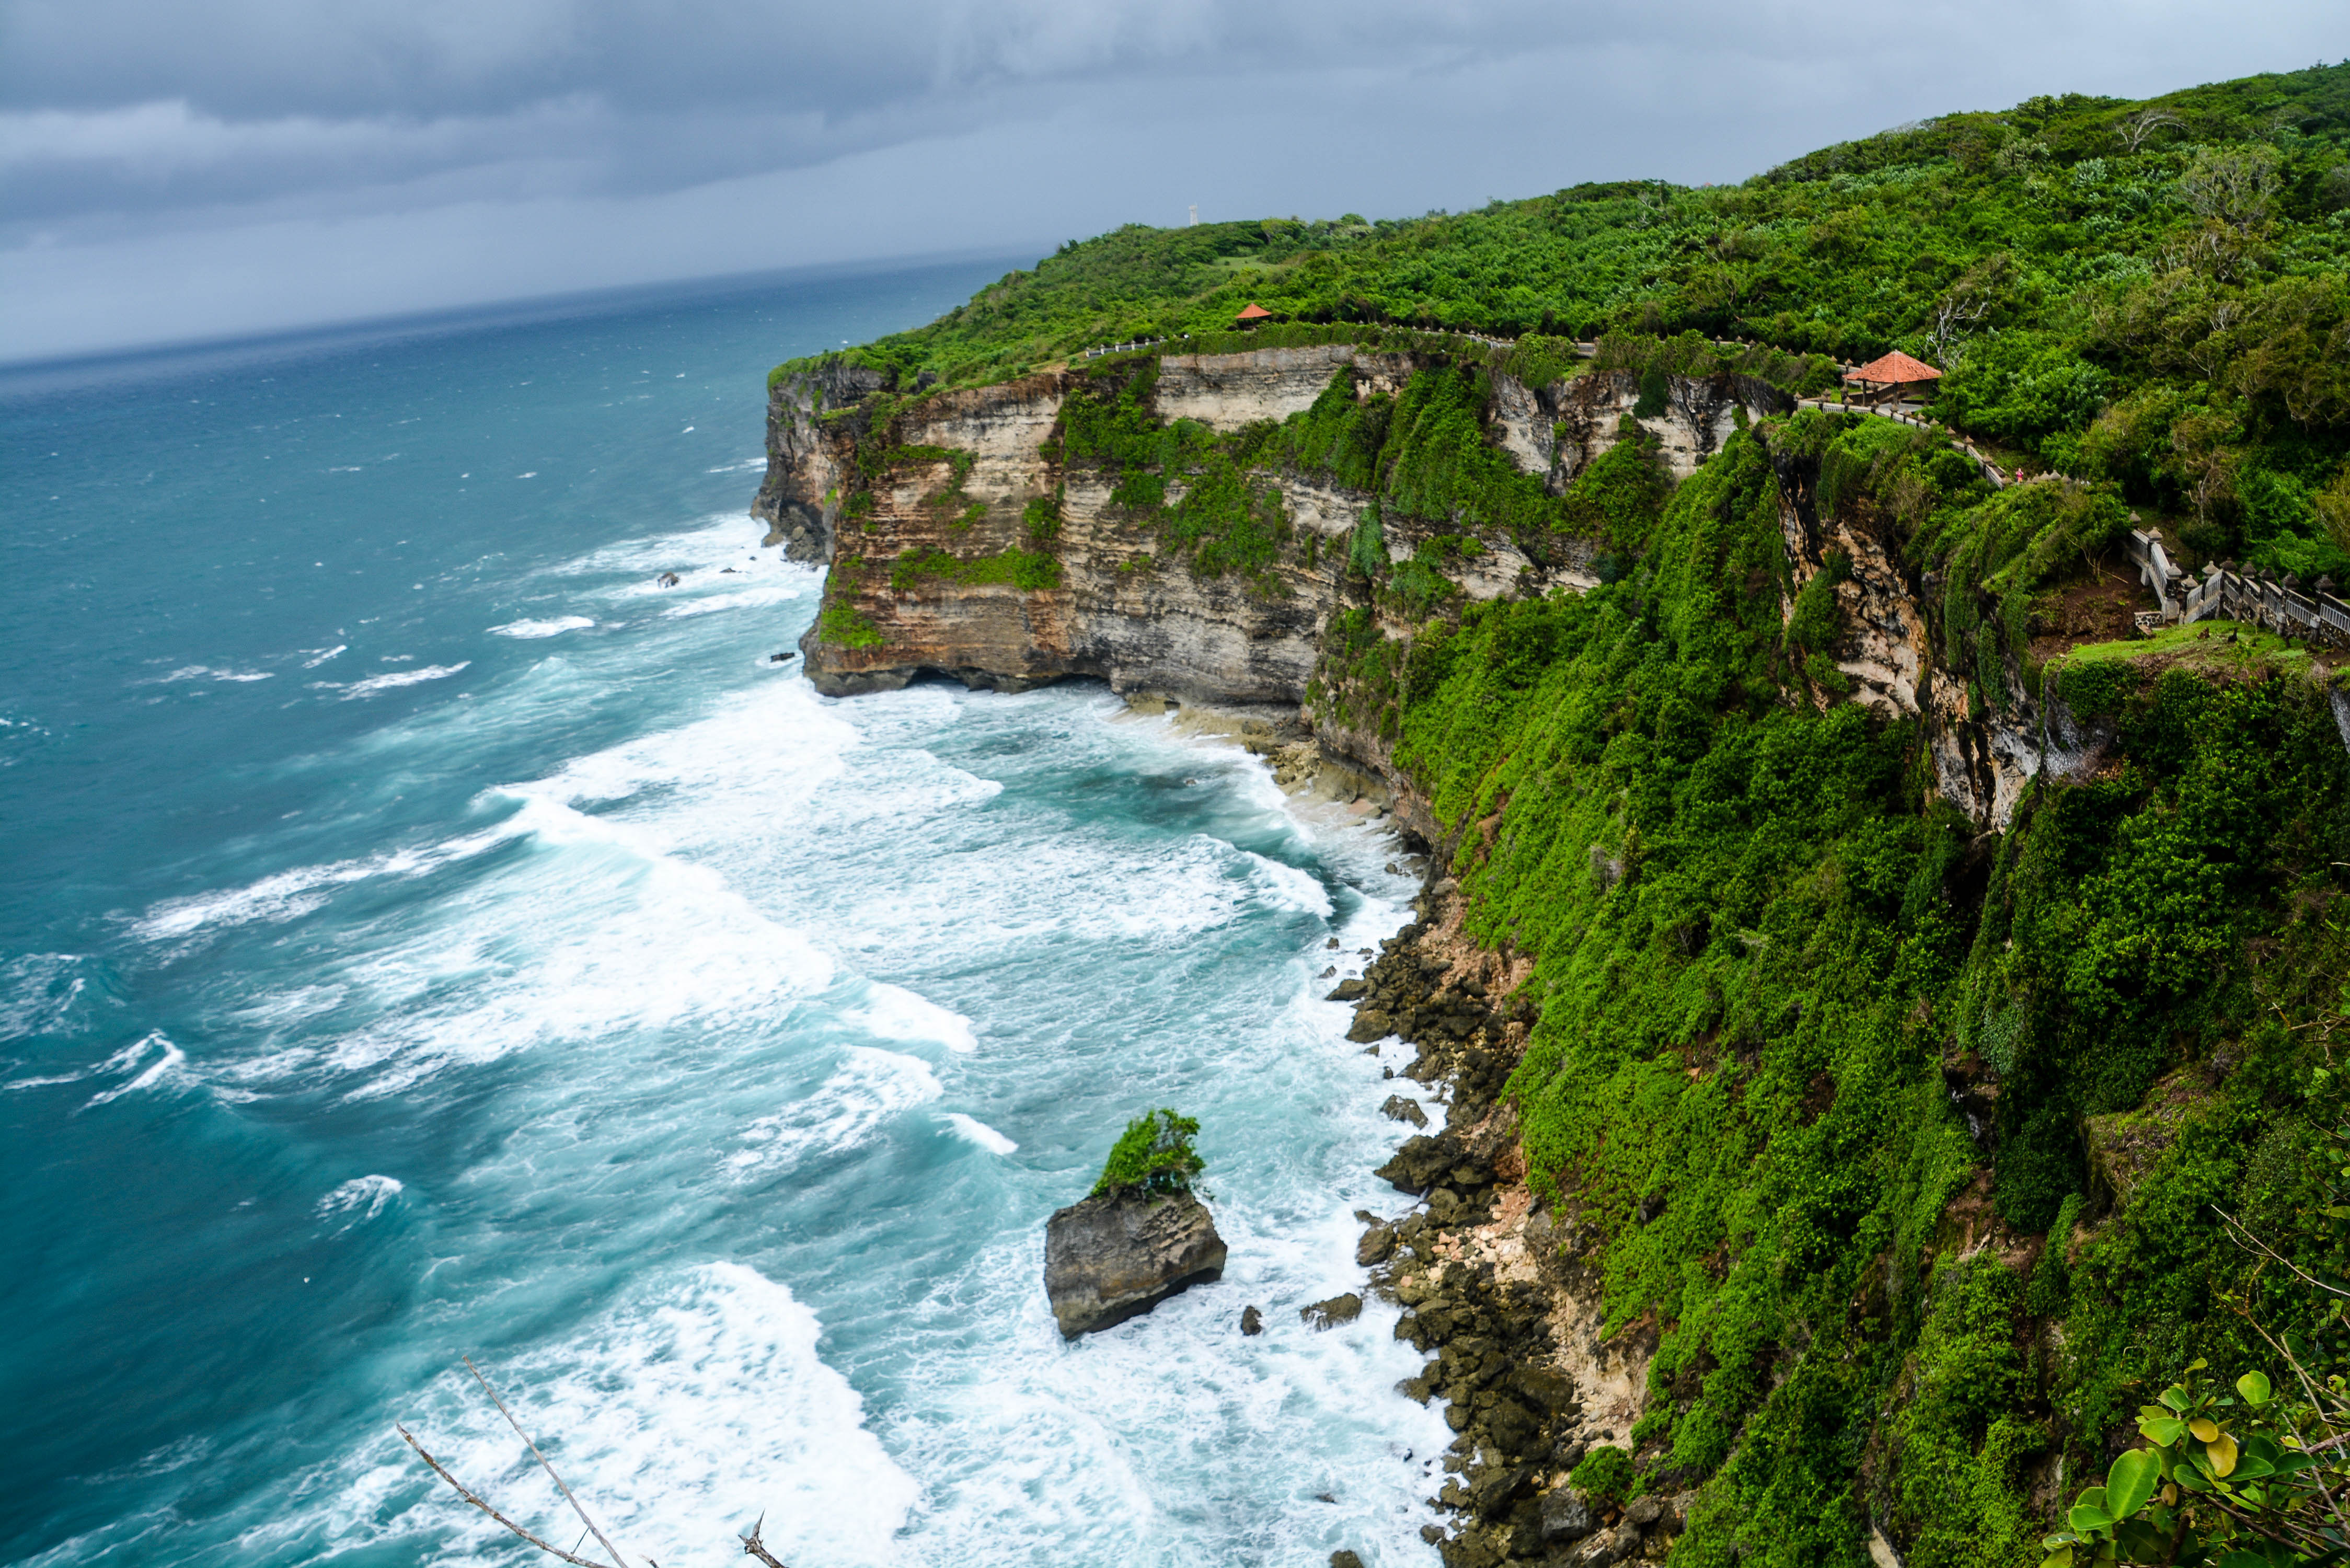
(801, 468)
(1982, 761)
(969, 545)
(938, 566)
(1675, 866)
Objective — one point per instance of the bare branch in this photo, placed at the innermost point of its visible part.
(606, 1546)
(754, 1547)
(1957, 312)
(2134, 131)
(2246, 1238)
(442, 1471)
(2317, 1407)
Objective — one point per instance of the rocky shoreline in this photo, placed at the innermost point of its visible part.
(1499, 1290)
(1496, 1288)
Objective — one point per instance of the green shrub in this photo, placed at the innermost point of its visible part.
(1366, 551)
(1606, 1475)
(1817, 623)
(1655, 395)
(1028, 570)
(844, 626)
(1153, 1155)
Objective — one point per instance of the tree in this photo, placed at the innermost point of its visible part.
(1153, 1155)
(1957, 312)
(2233, 185)
(2333, 508)
(2255, 1480)
(2136, 131)
(2247, 1476)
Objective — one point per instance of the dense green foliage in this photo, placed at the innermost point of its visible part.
(2149, 293)
(1028, 570)
(1764, 955)
(1153, 1155)
(1606, 1475)
(2246, 1476)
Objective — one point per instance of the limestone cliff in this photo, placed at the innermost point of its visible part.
(1981, 760)
(966, 541)
(926, 558)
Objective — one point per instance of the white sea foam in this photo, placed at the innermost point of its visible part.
(320, 655)
(745, 466)
(289, 895)
(1285, 886)
(169, 1058)
(720, 539)
(893, 1012)
(771, 745)
(745, 598)
(537, 629)
(40, 993)
(206, 672)
(972, 1129)
(599, 936)
(694, 1406)
(387, 682)
(868, 1088)
(121, 1060)
(362, 1198)
(982, 901)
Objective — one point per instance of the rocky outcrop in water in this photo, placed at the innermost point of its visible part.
(1118, 1255)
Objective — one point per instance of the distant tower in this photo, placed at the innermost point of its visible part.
(1195, 216)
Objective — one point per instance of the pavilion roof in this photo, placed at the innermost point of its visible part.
(1254, 311)
(1895, 367)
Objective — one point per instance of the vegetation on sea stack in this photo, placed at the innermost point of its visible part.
(1153, 1155)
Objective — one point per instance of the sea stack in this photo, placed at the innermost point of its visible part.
(1120, 1253)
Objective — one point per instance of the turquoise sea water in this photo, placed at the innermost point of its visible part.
(424, 935)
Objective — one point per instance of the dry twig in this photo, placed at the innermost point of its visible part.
(442, 1471)
(617, 1561)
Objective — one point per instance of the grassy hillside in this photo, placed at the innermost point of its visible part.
(2150, 293)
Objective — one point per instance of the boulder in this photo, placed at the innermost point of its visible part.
(1376, 1243)
(1118, 1255)
(1614, 1545)
(1400, 1109)
(1348, 989)
(1565, 1516)
(1421, 1163)
(1251, 1321)
(1333, 1311)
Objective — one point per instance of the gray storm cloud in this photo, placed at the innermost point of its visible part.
(226, 165)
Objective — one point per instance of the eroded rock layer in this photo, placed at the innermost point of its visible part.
(928, 559)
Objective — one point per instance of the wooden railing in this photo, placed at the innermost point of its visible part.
(1098, 349)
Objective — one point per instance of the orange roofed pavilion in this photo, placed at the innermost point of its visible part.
(1255, 313)
(1896, 373)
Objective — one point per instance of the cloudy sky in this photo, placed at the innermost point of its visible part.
(173, 169)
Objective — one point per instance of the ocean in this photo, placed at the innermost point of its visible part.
(427, 935)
